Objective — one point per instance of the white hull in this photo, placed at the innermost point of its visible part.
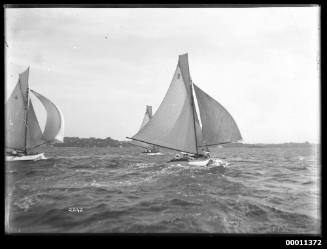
(26, 158)
(208, 162)
(199, 162)
(152, 153)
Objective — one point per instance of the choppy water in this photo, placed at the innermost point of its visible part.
(262, 190)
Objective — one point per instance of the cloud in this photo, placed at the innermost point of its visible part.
(260, 63)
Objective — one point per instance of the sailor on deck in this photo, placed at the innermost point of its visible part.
(205, 154)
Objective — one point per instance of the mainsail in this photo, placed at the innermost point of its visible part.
(172, 126)
(176, 125)
(22, 127)
(16, 108)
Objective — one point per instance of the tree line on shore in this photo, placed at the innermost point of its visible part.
(109, 142)
(92, 142)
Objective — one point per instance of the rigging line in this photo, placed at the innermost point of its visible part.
(140, 146)
(160, 145)
(12, 148)
(35, 146)
(26, 120)
(194, 113)
(193, 109)
(217, 144)
(205, 143)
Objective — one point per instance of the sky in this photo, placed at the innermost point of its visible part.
(102, 66)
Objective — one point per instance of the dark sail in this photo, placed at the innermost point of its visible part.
(218, 126)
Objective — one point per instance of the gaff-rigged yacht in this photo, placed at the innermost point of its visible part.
(23, 132)
(176, 126)
(150, 149)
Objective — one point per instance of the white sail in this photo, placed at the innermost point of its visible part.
(218, 126)
(16, 108)
(147, 116)
(146, 119)
(60, 136)
(23, 130)
(173, 125)
(54, 127)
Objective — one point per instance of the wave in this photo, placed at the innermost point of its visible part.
(71, 157)
(127, 192)
(308, 182)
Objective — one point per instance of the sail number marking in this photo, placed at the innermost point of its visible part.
(75, 210)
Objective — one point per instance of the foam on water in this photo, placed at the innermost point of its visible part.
(263, 190)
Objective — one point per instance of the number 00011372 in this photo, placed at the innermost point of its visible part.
(305, 242)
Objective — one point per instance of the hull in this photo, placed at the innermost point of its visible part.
(152, 153)
(26, 157)
(211, 162)
(199, 162)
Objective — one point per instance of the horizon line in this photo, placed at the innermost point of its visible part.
(233, 142)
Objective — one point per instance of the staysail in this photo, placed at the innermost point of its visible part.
(174, 124)
(34, 133)
(54, 125)
(218, 126)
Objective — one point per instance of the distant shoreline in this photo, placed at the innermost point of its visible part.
(109, 142)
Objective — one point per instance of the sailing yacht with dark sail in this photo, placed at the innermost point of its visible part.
(150, 149)
(176, 126)
(23, 132)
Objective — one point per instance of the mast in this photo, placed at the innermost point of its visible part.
(26, 110)
(26, 119)
(193, 108)
(194, 111)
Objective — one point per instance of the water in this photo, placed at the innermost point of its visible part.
(120, 190)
